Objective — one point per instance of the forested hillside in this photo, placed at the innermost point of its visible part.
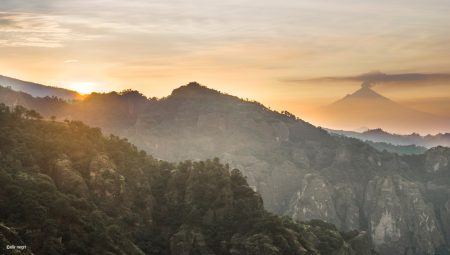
(67, 189)
(401, 201)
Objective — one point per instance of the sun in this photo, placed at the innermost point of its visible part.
(83, 88)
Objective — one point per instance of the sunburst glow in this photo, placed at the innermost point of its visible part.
(83, 88)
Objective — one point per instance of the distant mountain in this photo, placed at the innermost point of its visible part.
(365, 107)
(402, 202)
(38, 90)
(47, 106)
(379, 135)
(410, 149)
(399, 149)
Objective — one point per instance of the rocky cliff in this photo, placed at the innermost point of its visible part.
(301, 171)
(66, 189)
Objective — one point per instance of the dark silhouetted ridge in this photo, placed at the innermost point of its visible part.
(37, 90)
(376, 131)
(194, 89)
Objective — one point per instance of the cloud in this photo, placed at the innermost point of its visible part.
(373, 78)
(20, 29)
(68, 61)
(260, 40)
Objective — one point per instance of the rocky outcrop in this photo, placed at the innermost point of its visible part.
(306, 173)
(400, 219)
(313, 200)
(303, 171)
(67, 179)
(444, 217)
(104, 178)
(437, 160)
(402, 202)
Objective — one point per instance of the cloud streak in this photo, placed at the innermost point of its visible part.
(69, 61)
(24, 29)
(18, 29)
(374, 78)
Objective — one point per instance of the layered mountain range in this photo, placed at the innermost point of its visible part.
(302, 171)
(379, 135)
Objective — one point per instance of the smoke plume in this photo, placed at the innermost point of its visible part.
(374, 78)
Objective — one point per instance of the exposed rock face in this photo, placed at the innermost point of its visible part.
(444, 213)
(313, 201)
(402, 202)
(398, 214)
(226, 201)
(438, 160)
(130, 203)
(105, 178)
(303, 172)
(67, 179)
(347, 209)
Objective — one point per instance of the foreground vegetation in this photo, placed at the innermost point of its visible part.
(67, 189)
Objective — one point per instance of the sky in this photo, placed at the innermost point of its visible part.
(252, 49)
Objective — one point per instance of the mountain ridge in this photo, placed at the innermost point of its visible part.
(38, 90)
(300, 170)
(380, 135)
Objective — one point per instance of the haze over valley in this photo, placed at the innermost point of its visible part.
(301, 171)
(239, 127)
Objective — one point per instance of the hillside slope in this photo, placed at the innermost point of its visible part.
(38, 90)
(300, 170)
(66, 189)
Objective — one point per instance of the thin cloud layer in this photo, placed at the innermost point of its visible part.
(19, 29)
(32, 30)
(374, 78)
(156, 45)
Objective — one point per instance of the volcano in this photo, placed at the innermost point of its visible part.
(365, 107)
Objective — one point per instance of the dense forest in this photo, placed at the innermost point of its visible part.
(67, 189)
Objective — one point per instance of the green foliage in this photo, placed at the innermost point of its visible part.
(329, 239)
(122, 201)
(399, 149)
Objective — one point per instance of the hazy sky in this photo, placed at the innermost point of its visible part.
(246, 48)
